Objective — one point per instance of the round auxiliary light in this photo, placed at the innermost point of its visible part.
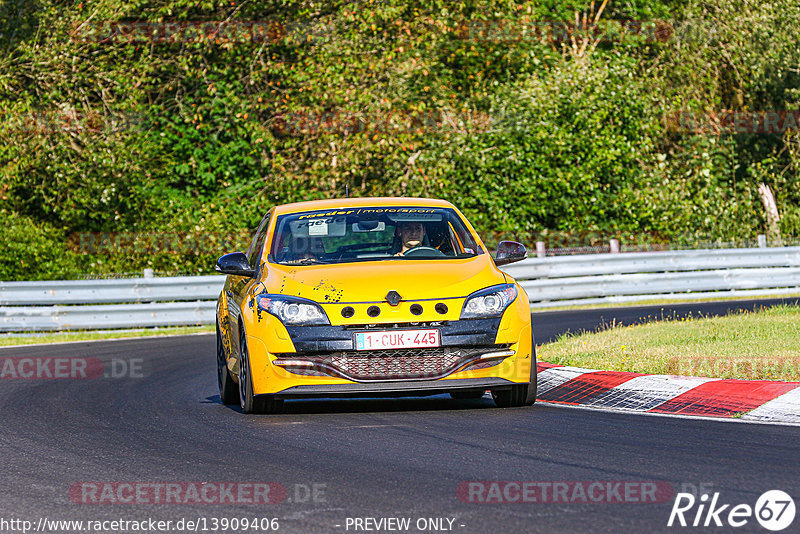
(291, 311)
(416, 309)
(373, 311)
(441, 308)
(491, 302)
(348, 312)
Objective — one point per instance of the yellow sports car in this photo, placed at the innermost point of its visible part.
(371, 297)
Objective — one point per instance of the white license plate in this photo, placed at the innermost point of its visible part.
(397, 339)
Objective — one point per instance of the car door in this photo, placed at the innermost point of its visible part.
(240, 286)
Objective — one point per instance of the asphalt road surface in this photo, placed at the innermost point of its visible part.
(332, 463)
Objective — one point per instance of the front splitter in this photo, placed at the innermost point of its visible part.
(393, 389)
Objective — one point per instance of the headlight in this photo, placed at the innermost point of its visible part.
(293, 310)
(489, 302)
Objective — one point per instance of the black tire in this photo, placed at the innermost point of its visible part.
(467, 394)
(228, 390)
(521, 394)
(250, 403)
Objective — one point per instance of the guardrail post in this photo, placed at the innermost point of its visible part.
(614, 246)
(541, 250)
(762, 241)
(147, 273)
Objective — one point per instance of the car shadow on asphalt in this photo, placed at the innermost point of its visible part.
(373, 404)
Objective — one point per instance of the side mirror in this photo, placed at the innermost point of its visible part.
(509, 252)
(235, 263)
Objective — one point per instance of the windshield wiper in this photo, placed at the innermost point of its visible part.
(303, 261)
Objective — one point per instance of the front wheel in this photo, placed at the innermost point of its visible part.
(515, 396)
(520, 394)
(249, 402)
(228, 393)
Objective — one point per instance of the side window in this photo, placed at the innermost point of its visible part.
(254, 252)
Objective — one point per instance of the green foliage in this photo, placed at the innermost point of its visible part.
(32, 251)
(571, 151)
(193, 140)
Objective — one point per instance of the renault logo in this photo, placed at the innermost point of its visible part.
(393, 298)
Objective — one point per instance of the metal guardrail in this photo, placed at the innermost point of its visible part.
(59, 318)
(549, 281)
(649, 262)
(638, 276)
(108, 291)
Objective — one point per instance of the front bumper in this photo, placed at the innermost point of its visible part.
(478, 353)
(330, 351)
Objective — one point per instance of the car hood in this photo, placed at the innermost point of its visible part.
(371, 281)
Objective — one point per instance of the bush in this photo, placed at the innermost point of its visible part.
(32, 250)
(195, 140)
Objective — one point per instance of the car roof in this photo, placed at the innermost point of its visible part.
(344, 203)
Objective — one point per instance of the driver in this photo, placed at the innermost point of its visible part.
(411, 235)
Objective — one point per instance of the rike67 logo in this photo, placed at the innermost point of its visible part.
(774, 510)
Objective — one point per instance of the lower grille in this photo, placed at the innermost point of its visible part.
(402, 363)
(397, 364)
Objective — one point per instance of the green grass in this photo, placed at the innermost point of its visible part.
(751, 345)
(35, 338)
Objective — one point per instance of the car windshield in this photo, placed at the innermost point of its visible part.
(371, 234)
